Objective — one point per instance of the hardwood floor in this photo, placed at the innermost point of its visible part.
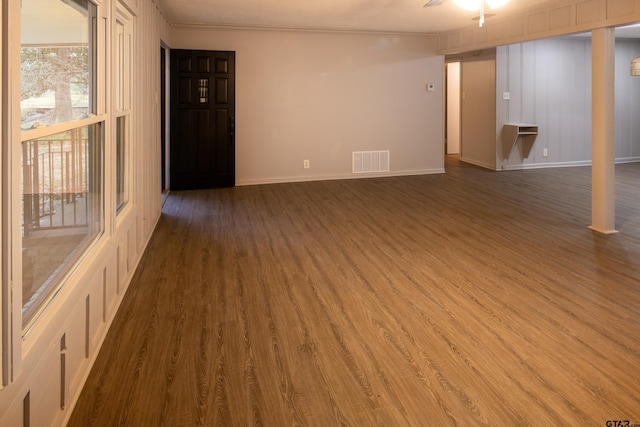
(467, 298)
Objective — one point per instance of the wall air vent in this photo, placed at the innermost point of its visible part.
(370, 161)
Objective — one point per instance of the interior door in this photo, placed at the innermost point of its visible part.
(202, 150)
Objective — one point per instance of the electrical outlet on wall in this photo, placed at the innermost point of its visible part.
(545, 152)
(305, 163)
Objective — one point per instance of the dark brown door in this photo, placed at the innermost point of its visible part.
(202, 153)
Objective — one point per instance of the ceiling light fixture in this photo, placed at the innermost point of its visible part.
(635, 66)
(473, 5)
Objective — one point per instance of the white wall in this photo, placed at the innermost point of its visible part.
(321, 96)
(627, 102)
(549, 82)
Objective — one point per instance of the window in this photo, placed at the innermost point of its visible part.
(62, 144)
(122, 195)
(57, 61)
(122, 73)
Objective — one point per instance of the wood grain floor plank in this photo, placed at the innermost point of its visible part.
(467, 298)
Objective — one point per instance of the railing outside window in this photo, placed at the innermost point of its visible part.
(55, 183)
(62, 207)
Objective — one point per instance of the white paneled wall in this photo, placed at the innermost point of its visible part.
(627, 102)
(547, 19)
(58, 351)
(549, 84)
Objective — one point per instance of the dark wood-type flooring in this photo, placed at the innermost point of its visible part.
(467, 298)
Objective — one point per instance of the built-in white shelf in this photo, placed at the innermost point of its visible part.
(512, 131)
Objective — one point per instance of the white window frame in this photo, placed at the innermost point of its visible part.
(11, 184)
(33, 134)
(123, 39)
(13, 333)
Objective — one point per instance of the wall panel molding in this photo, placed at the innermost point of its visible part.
(548, 20)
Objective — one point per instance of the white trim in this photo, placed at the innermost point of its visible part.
(122, 69)
(297, 30)
(13, 207)
(477, 163)
(547, 165)
(31, 134)
(3, 216)
(603, 231)
(284, 180)
(635, 159)
(576, 163)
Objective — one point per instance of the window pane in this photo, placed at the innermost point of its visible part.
(121, 149)
(120, 66)
(58, 61)
(62, 207)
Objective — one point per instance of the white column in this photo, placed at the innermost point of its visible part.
(602, 130)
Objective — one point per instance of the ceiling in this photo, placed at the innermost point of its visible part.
(334, 15)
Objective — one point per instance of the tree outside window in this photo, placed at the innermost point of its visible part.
(55, 84)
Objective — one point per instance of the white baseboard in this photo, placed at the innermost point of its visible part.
(547, 165)
(478, 163)
(565, 164)
(309, 178)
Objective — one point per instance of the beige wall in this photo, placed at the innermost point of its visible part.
(321, 96)
(478, 112)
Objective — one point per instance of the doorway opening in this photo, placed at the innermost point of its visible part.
(164, 129)
(452, 130)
